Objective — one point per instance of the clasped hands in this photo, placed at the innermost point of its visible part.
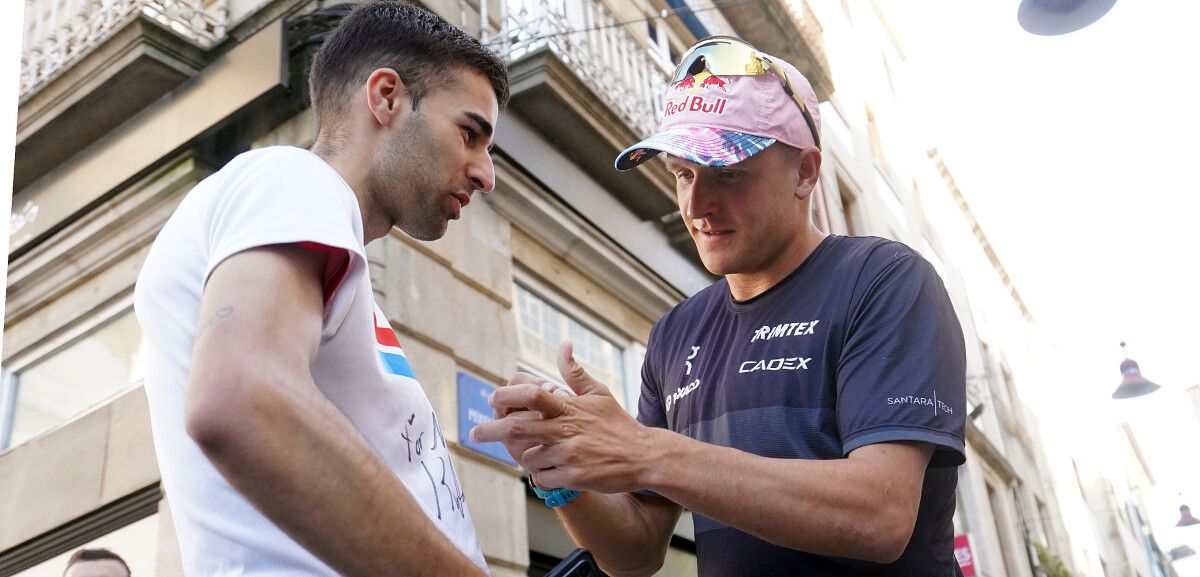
(584, 442)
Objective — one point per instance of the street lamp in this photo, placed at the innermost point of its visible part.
(1133, 384)
(1185, 517)
(1054, 17)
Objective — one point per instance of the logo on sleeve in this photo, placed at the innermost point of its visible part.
(927, 401)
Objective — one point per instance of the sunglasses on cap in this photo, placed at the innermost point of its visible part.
(729, 56)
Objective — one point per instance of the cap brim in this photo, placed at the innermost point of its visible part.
(698, 144)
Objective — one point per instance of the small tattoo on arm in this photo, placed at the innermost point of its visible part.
(225, 312)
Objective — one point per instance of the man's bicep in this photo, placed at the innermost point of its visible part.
(260, 314)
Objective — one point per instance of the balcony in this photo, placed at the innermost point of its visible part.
(788, 29)
(590, 83)
(88, 65)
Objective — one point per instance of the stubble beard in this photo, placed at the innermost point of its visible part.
(406, 188)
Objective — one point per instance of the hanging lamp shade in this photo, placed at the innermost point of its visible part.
(1133, 384)
(1054, 17)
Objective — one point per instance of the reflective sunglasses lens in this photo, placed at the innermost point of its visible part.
(719, 57)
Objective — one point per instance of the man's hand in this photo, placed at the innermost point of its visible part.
(517, 448)
(582, 442)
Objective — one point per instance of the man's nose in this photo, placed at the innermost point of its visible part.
(482, 174)
(699, 200)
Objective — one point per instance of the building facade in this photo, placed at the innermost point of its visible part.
(125, 104)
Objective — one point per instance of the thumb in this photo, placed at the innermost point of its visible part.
(574, 375)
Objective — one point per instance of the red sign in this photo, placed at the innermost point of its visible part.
(962, 552)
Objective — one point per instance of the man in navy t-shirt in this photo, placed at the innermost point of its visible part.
(807, 408)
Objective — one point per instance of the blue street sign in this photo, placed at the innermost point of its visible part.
(473, 410)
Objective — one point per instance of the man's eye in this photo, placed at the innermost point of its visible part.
(728, 175)
(682, 175)
(471, 135)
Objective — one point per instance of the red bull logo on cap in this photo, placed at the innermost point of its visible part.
(701, 82)
(696, 101)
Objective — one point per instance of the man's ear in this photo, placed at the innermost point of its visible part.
(388, 98)
(808, 171)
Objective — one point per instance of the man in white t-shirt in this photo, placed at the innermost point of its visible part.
(292, 435)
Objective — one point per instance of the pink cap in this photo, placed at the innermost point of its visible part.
(723, 120)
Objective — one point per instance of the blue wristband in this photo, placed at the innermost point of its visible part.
(554, 497)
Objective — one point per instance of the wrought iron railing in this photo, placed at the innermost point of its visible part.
(626, 70)
(810, 30)
(57, 33)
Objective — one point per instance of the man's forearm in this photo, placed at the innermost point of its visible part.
(625, 539)
(303, 464)
(844, 507)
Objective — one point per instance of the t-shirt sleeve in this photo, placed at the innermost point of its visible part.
(290, 197)
(902, 369)
(650, 407)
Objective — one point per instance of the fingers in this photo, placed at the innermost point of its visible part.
(505, 400)
(540, 457)
(517, 379)
(514, 431)
(574, 375)
(518, 448)
(525, 379)
(553, 478)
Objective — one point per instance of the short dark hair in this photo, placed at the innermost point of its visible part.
(95, 555)
(418, 44)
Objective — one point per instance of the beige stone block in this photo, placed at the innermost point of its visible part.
(546, 532)
(505, 571)
(489, 338)
(130, 463)
(496, 498)
(416, 290)
(576, 285)
(678, 564)
(299, 130)
(432, 304)
(105, 286)
(53, 479)
(170, 563)
(478, 248)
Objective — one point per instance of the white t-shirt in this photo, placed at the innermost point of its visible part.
(272, 196)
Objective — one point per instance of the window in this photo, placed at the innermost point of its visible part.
(541, 326)
(1003, 526)
(72, 379)
(136, 543)
(1047, 528)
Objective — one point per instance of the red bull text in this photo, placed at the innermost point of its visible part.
(696, 104)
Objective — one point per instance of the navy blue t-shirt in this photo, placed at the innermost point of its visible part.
(858, 345)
